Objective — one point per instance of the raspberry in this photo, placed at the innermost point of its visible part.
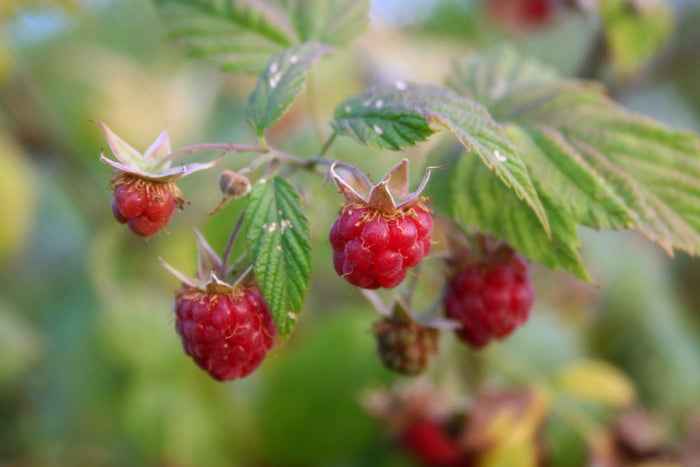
(405, 346)
(372, 249)
(430, 444)
(226, 334)
(146, 206)
(519, 15)
(489, 300)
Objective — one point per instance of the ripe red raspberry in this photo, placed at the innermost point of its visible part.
(145, 205)
(226, 334)
(429, 443)
(405, 346)
(490, 300)
(522, 15)
(372, 250)
(382, 230)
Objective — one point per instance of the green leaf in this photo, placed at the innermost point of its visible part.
(333, 23)
(469, 193)
(400, 115)
(283, 78)
(635, 34)
(592, 163)
(241, 36)
(278, 239)
(488, 78)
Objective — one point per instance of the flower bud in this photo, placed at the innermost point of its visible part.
(232, 185)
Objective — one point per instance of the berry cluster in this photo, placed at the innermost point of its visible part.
(226, 334)
(382, 230)
(372, 250)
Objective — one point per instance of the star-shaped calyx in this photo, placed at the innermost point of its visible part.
(145, 194)
(388, 196)
(210, 266)
(154, 164)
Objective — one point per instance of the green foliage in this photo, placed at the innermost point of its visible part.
(278, 240)
(241, 36)
(593, 163)
(400, 115)
(280, 82)
(635, 34)
(93, 372)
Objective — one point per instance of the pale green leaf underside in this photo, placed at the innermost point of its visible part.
(400, 115)
(472, 196)
(240, 36)
(593, 163)
(631, 172)
(278, 240)
(281, 80)
(487, 78)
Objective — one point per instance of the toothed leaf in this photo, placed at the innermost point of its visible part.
(401, 114)
(241, 36)
(278, 84)
(278, 239)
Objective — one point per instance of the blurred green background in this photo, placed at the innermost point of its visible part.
(91, 369)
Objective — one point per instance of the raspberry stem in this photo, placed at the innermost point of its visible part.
(374, 299)
(229, 244)
(245, 273)
(226, 147)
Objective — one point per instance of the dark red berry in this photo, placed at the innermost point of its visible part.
(373, 250)
(145, 205)
(490, 300)
(519, 15)
(227, 335)
(429, 443)
(405, 346)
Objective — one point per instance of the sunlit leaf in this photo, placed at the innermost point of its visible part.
(592, 163)
(242, 36)
(401, 114)
(278, 84)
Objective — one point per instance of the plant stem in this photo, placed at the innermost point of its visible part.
(376, 301)
(229, 245)
(327, 144)
(247, 271)
(226, 147)
(595, 58)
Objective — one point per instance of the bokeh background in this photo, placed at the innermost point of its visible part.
(91, 369)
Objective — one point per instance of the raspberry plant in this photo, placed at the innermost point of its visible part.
(534, 156)
(530, 170)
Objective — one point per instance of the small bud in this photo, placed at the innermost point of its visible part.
(232, 185)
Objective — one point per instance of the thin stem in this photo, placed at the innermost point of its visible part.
(247, 271)
(374, 299)
(226, 147)
(595, 58)
(231, 269)
(310, 163)
(327, 144)
(229, 245)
